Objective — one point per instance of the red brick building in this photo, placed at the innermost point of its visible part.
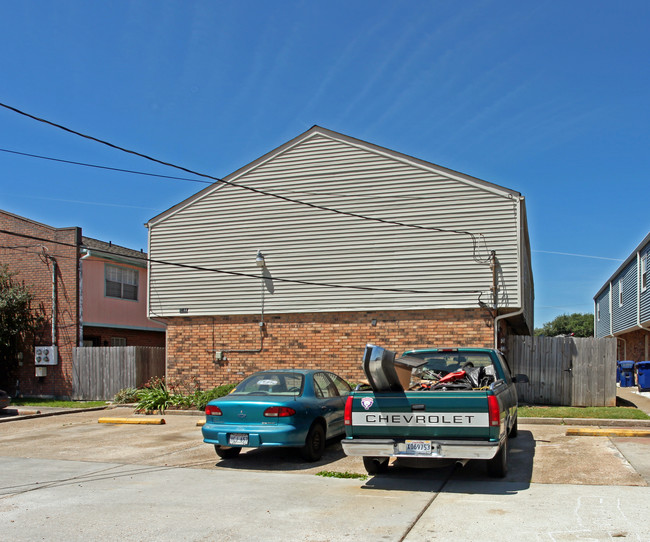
(357, 244)
(56, 264)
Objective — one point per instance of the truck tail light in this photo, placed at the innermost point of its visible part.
(279, 412)
(213, 410)
(347, 414)
(493, 411)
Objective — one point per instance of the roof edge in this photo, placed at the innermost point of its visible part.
(41, 224)
(314, 130)
(628, 260)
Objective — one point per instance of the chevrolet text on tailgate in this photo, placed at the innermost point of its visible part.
(458, 403)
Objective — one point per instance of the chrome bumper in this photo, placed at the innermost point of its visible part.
(443, 449)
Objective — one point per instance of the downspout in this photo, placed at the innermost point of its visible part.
(638, 290)
(624, 346)
(81, 295)
(611, 315)
(496, 324)
(498, 319)
(54, 300)
(611, 323)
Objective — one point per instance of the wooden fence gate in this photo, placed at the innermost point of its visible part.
(565, 371)
(99, 372)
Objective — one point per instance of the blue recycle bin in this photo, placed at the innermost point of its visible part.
(643, 375)
(627, 373)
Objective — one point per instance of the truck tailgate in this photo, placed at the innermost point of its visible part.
(422, 414)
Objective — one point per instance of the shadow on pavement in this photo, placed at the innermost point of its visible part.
(280, 459)
(434, 475)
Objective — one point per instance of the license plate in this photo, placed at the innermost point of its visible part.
(238, 439)
(418, 447)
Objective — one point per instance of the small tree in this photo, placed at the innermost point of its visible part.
(576, 324)
(17, 320)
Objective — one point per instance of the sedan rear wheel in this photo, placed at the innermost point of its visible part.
(314, 443)
(227, 452)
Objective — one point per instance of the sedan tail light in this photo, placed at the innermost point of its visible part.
(279, 412)
(213, 410)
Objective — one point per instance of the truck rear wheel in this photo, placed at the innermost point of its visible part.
(513, 430)
(497, 467)
(375, 465)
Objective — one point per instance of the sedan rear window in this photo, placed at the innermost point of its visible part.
(271, 383)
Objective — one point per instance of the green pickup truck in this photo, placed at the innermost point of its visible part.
(458, 403)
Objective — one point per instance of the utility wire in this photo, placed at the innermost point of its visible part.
(285, 190)
(473, 236)
(247, 275)
(105, 167)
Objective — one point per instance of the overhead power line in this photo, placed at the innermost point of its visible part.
(473, 236)
(578, 255)
(104, 167)
(246, 275)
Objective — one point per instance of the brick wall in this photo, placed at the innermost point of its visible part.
(634, 348)
(33, 261)
(133, 337)
(333, 341)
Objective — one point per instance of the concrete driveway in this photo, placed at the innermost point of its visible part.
(71, 478)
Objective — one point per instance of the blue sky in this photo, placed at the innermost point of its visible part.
(548, 98)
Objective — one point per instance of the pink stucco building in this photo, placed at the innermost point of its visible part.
(114, 297)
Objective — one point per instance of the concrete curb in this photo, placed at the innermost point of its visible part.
(136, 421)
(613, 432)
(13, 414)
(589, 422)
(585, 421)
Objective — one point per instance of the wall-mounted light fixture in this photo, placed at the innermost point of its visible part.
(259, 259)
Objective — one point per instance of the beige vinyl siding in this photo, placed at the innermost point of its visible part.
(224, 226)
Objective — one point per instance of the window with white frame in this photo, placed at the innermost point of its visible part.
(620, 293)
(644, 272)
(118, 341)
(121, 282)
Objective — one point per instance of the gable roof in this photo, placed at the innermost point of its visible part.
(109, 251)
(324, 132)
(621, 267)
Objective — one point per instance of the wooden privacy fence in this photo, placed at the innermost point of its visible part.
(99, 372)
(565, 371)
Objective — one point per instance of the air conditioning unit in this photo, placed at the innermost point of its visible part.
(45, 355)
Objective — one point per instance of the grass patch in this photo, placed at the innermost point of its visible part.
(609, 413)
(55, 403)
(346, 474)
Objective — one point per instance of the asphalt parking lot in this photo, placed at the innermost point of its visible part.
(71, 478)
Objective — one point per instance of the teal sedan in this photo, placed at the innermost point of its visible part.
(300, 408)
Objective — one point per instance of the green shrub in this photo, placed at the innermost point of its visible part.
(154, 396)
(159, 396)
(127, 395)
(202, 398)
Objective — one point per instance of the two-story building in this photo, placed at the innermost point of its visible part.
(327, 243)
(87, 292)
(622, 306)
(114, 304)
